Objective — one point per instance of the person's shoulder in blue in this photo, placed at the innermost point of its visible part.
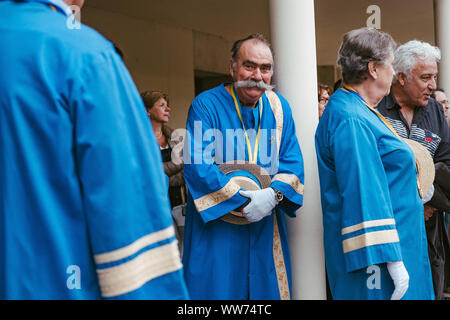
(85, 212)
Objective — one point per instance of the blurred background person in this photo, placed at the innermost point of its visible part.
(337, 85)
(324, 93)
(440, 96)
(157, 107)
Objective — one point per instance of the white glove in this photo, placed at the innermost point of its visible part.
(400, 276)
(429, 195)
(261, 204)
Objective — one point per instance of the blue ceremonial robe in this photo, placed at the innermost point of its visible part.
(372, 211)
(84, 211)
(223, 260)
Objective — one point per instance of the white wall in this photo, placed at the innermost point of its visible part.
(403, 19)
(164, 41)
(211, 52)
(158, 56)
(231, 19)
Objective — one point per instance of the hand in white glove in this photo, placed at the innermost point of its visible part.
(261, 204)
(400, 276)
(429, 195)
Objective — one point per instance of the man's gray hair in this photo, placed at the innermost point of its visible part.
(358, 48)
(238, 44)
(256, 36)
(406, 56)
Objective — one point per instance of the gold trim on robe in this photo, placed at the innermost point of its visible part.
(277, 250)
(368, 224)
(370, 239)
(216, 197)
(135, 246)
(277, 109)
(278, 259)
(130, 275)
(290, 179)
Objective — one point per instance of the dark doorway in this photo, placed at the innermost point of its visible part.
(205, 80)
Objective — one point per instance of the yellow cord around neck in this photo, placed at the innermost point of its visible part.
(252, 157)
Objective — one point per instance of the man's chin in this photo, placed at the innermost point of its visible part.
(250, 96)
(424, 101)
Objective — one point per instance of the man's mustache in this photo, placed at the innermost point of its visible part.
(253, 84)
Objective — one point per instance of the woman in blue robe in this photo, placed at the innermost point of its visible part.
(374, 232)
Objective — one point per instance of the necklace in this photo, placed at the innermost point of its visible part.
(158, 135)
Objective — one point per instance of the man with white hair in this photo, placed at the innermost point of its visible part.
(416, 116)
(242, 121)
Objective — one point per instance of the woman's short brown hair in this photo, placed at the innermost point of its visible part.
(150, 97)
(321, 87)
(358, 48)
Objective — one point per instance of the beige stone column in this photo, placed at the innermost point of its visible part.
(442, 30)
(293, 39)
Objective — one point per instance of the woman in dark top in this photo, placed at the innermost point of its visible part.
(156, 104)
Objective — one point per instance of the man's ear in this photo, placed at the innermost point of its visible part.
(402, 79)
(372, 69)
(232, 68)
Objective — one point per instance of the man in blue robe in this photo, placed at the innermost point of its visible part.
(243, 121)
(84, 212)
